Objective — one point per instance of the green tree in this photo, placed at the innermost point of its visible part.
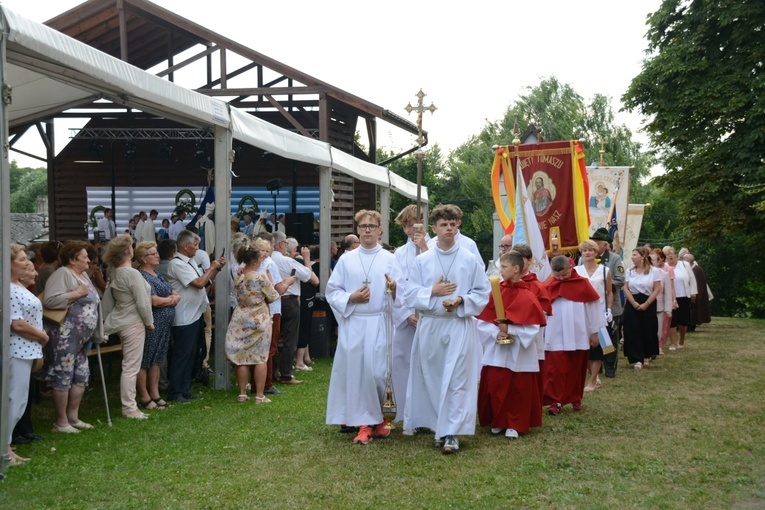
(26, 185)
(703, 90)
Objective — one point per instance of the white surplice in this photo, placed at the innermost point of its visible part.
(571, 324)
(402, 341)
(357, 384)
(442, 393)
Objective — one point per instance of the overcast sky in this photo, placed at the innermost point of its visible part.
(472, 59)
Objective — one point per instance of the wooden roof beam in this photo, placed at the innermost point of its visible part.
(190, 60)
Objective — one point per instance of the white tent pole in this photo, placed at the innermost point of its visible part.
(5, 263)
(222, 240)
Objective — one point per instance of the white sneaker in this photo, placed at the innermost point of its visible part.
(638, 365)
(496, 431)
(511, 434)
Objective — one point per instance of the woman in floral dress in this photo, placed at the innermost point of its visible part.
(249, 332)
(66, 363)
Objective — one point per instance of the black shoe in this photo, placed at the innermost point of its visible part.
(192, 396)
(179, 400)
(347, 429)
(273, 390)
(20, 440)
(34, 437)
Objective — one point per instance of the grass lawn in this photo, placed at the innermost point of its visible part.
(686, 432)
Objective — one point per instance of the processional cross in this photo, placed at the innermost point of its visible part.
(419, 154)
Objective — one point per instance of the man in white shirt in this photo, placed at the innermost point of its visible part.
(149, 232)
(177, 226)
(107, 226)
(142, 217)
(189, 281)
(285, 250)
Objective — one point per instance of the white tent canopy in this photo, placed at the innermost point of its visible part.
(44, 72)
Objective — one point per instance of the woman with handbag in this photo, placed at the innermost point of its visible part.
(66, 371)
(130, 317)
(600, 279)
(26, 341)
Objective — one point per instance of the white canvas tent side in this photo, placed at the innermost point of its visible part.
(44, 72)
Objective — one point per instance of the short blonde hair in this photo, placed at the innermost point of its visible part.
(143, 249)
(588, 244)
(362, 213)
(407, 214)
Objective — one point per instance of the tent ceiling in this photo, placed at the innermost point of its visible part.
(44, 63)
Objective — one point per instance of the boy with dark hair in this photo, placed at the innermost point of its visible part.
(448, 287)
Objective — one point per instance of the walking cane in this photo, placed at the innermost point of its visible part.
(103, 384)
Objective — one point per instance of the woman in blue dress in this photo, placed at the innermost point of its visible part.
(163, 301)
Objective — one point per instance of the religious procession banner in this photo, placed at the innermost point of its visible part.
(556, 180)
(609, 196)
(634, 223)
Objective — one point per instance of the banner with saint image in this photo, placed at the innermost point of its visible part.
(556, 182)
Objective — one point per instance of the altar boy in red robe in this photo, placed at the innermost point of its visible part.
(508, 396)
(571, 331)
(537, 288)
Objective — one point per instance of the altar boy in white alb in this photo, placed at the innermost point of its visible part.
(356, 291)
(448, 287)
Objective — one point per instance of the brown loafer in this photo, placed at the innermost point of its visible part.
(291, 381)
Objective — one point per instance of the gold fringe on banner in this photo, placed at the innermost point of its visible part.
(539, 152)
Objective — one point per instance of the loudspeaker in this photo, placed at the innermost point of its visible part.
(300, 226)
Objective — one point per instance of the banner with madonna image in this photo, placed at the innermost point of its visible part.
(609, 197)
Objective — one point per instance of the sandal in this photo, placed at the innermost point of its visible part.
(79, 424)
(149, 405)
(161, 404)
(262, 400)
(244, 398)
(67, 429)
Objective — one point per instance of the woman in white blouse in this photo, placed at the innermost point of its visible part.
(685, 293)
(600, 279)
(26, 340)
(641, 288)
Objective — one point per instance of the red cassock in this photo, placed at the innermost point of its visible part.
(508, 398)
(536, 287)
(565, 372)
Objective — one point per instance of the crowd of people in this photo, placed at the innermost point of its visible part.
(456, 343)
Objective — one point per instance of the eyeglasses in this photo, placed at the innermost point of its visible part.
(505, 246)
(152, 254)
(368, 228)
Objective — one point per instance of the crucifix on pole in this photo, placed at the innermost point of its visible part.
(419, 153)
